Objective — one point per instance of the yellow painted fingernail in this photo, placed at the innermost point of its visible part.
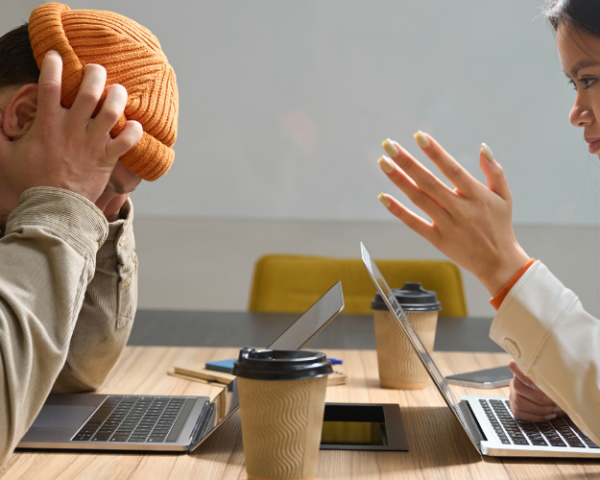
(421, 139)
(386, 164)
(487, 151)
(383, 199)
(390, 148)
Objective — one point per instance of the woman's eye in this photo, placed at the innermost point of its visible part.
(587, 82)
(573, 83)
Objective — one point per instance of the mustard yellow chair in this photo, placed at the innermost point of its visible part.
(292, 283)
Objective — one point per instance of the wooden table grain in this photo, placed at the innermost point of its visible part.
(439, 449)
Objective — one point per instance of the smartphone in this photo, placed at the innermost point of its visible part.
(490, 378)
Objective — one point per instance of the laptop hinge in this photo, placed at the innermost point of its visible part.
(199, 430)
(472, 423)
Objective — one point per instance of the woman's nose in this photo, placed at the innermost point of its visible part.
(581, 115)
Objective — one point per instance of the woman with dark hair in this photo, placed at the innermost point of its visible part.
(554, 342)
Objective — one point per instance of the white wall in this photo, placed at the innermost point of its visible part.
(284, 103)
(15, 13)
(208, 264)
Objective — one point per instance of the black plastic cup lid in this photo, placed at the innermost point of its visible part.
(281, 364)
(412, 297)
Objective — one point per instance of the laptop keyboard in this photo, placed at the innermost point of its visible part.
(560, 432)
(136, 419)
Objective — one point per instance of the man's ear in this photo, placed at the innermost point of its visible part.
(20, 111)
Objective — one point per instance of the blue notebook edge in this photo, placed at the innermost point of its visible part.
(225, 366)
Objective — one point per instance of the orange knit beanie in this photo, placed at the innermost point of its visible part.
(132, 57)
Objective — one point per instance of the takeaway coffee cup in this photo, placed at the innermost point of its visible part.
(282, 401)
(399, 365)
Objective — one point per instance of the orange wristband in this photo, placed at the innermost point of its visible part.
(501, 295)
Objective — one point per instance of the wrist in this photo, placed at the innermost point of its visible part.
(503, 270)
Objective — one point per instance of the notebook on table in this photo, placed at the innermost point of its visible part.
(488, 420)
(158, 423)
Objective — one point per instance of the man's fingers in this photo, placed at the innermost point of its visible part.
(88, 96)
(496, 181)
(125, 141)
(111, 111)
(49, 86)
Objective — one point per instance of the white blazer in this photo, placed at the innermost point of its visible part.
(543, 325)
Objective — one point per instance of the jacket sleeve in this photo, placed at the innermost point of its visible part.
(543, 325)
(106, 318)
(47, 259)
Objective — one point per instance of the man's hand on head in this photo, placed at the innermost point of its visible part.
(122, 182)
(67, 148)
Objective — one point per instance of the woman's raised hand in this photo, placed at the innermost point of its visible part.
(472, 224)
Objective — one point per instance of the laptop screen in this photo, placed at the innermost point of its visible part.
(302, 331)
(415, 340)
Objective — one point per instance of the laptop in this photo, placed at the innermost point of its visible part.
(487, 420)
(158, 423)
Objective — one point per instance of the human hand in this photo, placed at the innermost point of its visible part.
(67, 148)
(527, 401)
(112, 208)
(472, 224)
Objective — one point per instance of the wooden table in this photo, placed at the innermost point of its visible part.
(438, 447)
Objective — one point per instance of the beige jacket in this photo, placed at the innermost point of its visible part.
(68, 295)
(543, 325)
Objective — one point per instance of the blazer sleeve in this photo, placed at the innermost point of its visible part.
(47, 259)
(543, 325)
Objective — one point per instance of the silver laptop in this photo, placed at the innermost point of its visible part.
(158, 423)
(488, 421)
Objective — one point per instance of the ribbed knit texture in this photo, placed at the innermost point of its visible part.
(132, 57)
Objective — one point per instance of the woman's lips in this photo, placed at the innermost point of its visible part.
(594, 145)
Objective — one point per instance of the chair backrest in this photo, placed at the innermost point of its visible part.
(292, 283)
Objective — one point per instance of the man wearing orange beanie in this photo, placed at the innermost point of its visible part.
(68, 269)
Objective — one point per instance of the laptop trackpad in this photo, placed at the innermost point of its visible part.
(63, 416)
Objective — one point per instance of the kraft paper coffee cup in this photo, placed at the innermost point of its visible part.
(282, 402)
(399, 365)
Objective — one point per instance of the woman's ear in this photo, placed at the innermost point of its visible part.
(20, 111)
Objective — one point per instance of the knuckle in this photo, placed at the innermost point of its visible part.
(50, 85)
(518, 413)
(111, 113)
(519, 402)
(89, 95)
(520, 387)
(455, 170)
(430, 184)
